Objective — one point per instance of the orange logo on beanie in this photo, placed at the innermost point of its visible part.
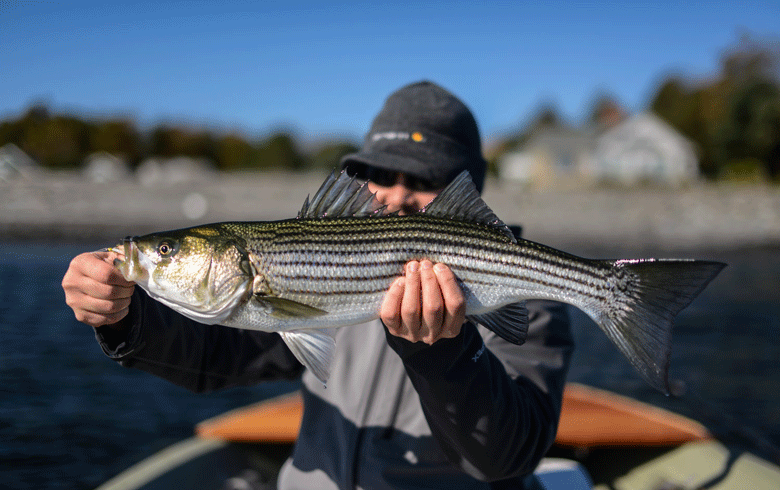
(417, 136)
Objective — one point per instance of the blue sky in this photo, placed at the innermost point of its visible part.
(324, 68)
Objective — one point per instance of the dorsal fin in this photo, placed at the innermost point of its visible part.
(461, 201)
(341, 196)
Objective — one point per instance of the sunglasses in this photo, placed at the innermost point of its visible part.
(388, 178)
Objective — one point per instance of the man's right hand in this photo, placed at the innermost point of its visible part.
(96, 290)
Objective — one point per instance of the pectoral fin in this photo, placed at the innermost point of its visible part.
(286, 308)
(314, 348)
(510, 322)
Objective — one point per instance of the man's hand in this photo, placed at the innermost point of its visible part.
(426, 304)
(96, 290)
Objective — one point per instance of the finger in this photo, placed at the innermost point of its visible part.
(98, 320)
(454, 301)
(106, 307)
(100, 290)
(97, 266)
(77, 282)
(432, 304)
(390, 311)
(81, 302)
(98, 312)
(410, 304)
(105, 255)
(105, 271)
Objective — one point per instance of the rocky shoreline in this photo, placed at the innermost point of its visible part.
(704, 217)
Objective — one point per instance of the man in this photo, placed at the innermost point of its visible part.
(418, 399)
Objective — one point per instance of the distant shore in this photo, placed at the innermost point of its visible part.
(707, 216)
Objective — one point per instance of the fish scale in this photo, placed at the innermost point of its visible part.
(332, 266)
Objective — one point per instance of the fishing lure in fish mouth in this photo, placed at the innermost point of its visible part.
(331, 266)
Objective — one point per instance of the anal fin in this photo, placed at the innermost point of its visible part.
(509, 322)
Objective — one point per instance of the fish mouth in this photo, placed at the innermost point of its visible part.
(129, 264)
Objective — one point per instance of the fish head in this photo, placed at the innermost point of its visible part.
(200, 272)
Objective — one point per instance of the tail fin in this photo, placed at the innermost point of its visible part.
(647, 295)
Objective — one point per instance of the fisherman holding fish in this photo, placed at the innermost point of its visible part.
(434, 393)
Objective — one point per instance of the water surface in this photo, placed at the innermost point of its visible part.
(70, 418)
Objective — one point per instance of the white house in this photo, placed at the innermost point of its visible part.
(16, 164)
(644, 148)
(104, 167)
(551, 154)
(177, 170)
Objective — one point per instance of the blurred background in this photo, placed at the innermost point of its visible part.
(612, 130)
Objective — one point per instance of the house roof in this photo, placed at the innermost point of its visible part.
(15, 163)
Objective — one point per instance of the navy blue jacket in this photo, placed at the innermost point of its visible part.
(470, 412)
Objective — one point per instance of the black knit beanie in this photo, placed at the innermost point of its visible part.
(425, 131)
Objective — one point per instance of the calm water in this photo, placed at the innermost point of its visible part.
(70, 418)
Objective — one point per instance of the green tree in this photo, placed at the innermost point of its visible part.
(733, 116)
(752, 129)
(329, 155)
(234, 152)
(55, 142)
(172, 141)
(280, 151)
(118, 137)
(690, 110)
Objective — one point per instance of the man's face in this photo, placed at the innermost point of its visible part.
(399, 197)
(400, 192)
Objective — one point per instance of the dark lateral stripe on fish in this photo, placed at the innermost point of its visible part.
(362, 292)
(351, 234)
(569, 286)
(341, 229)
(371, 236)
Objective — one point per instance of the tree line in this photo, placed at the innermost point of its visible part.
(64, 141)
(733, 118)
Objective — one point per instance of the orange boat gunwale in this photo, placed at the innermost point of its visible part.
(590, 418)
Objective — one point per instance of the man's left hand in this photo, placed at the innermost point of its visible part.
(426, 304)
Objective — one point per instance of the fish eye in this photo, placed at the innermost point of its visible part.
(166, 248)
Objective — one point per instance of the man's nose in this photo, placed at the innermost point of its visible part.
(399, 197)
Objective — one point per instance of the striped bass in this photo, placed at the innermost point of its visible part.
(332, 265)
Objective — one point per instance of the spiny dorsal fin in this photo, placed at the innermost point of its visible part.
(460, 200)
(342, 196)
